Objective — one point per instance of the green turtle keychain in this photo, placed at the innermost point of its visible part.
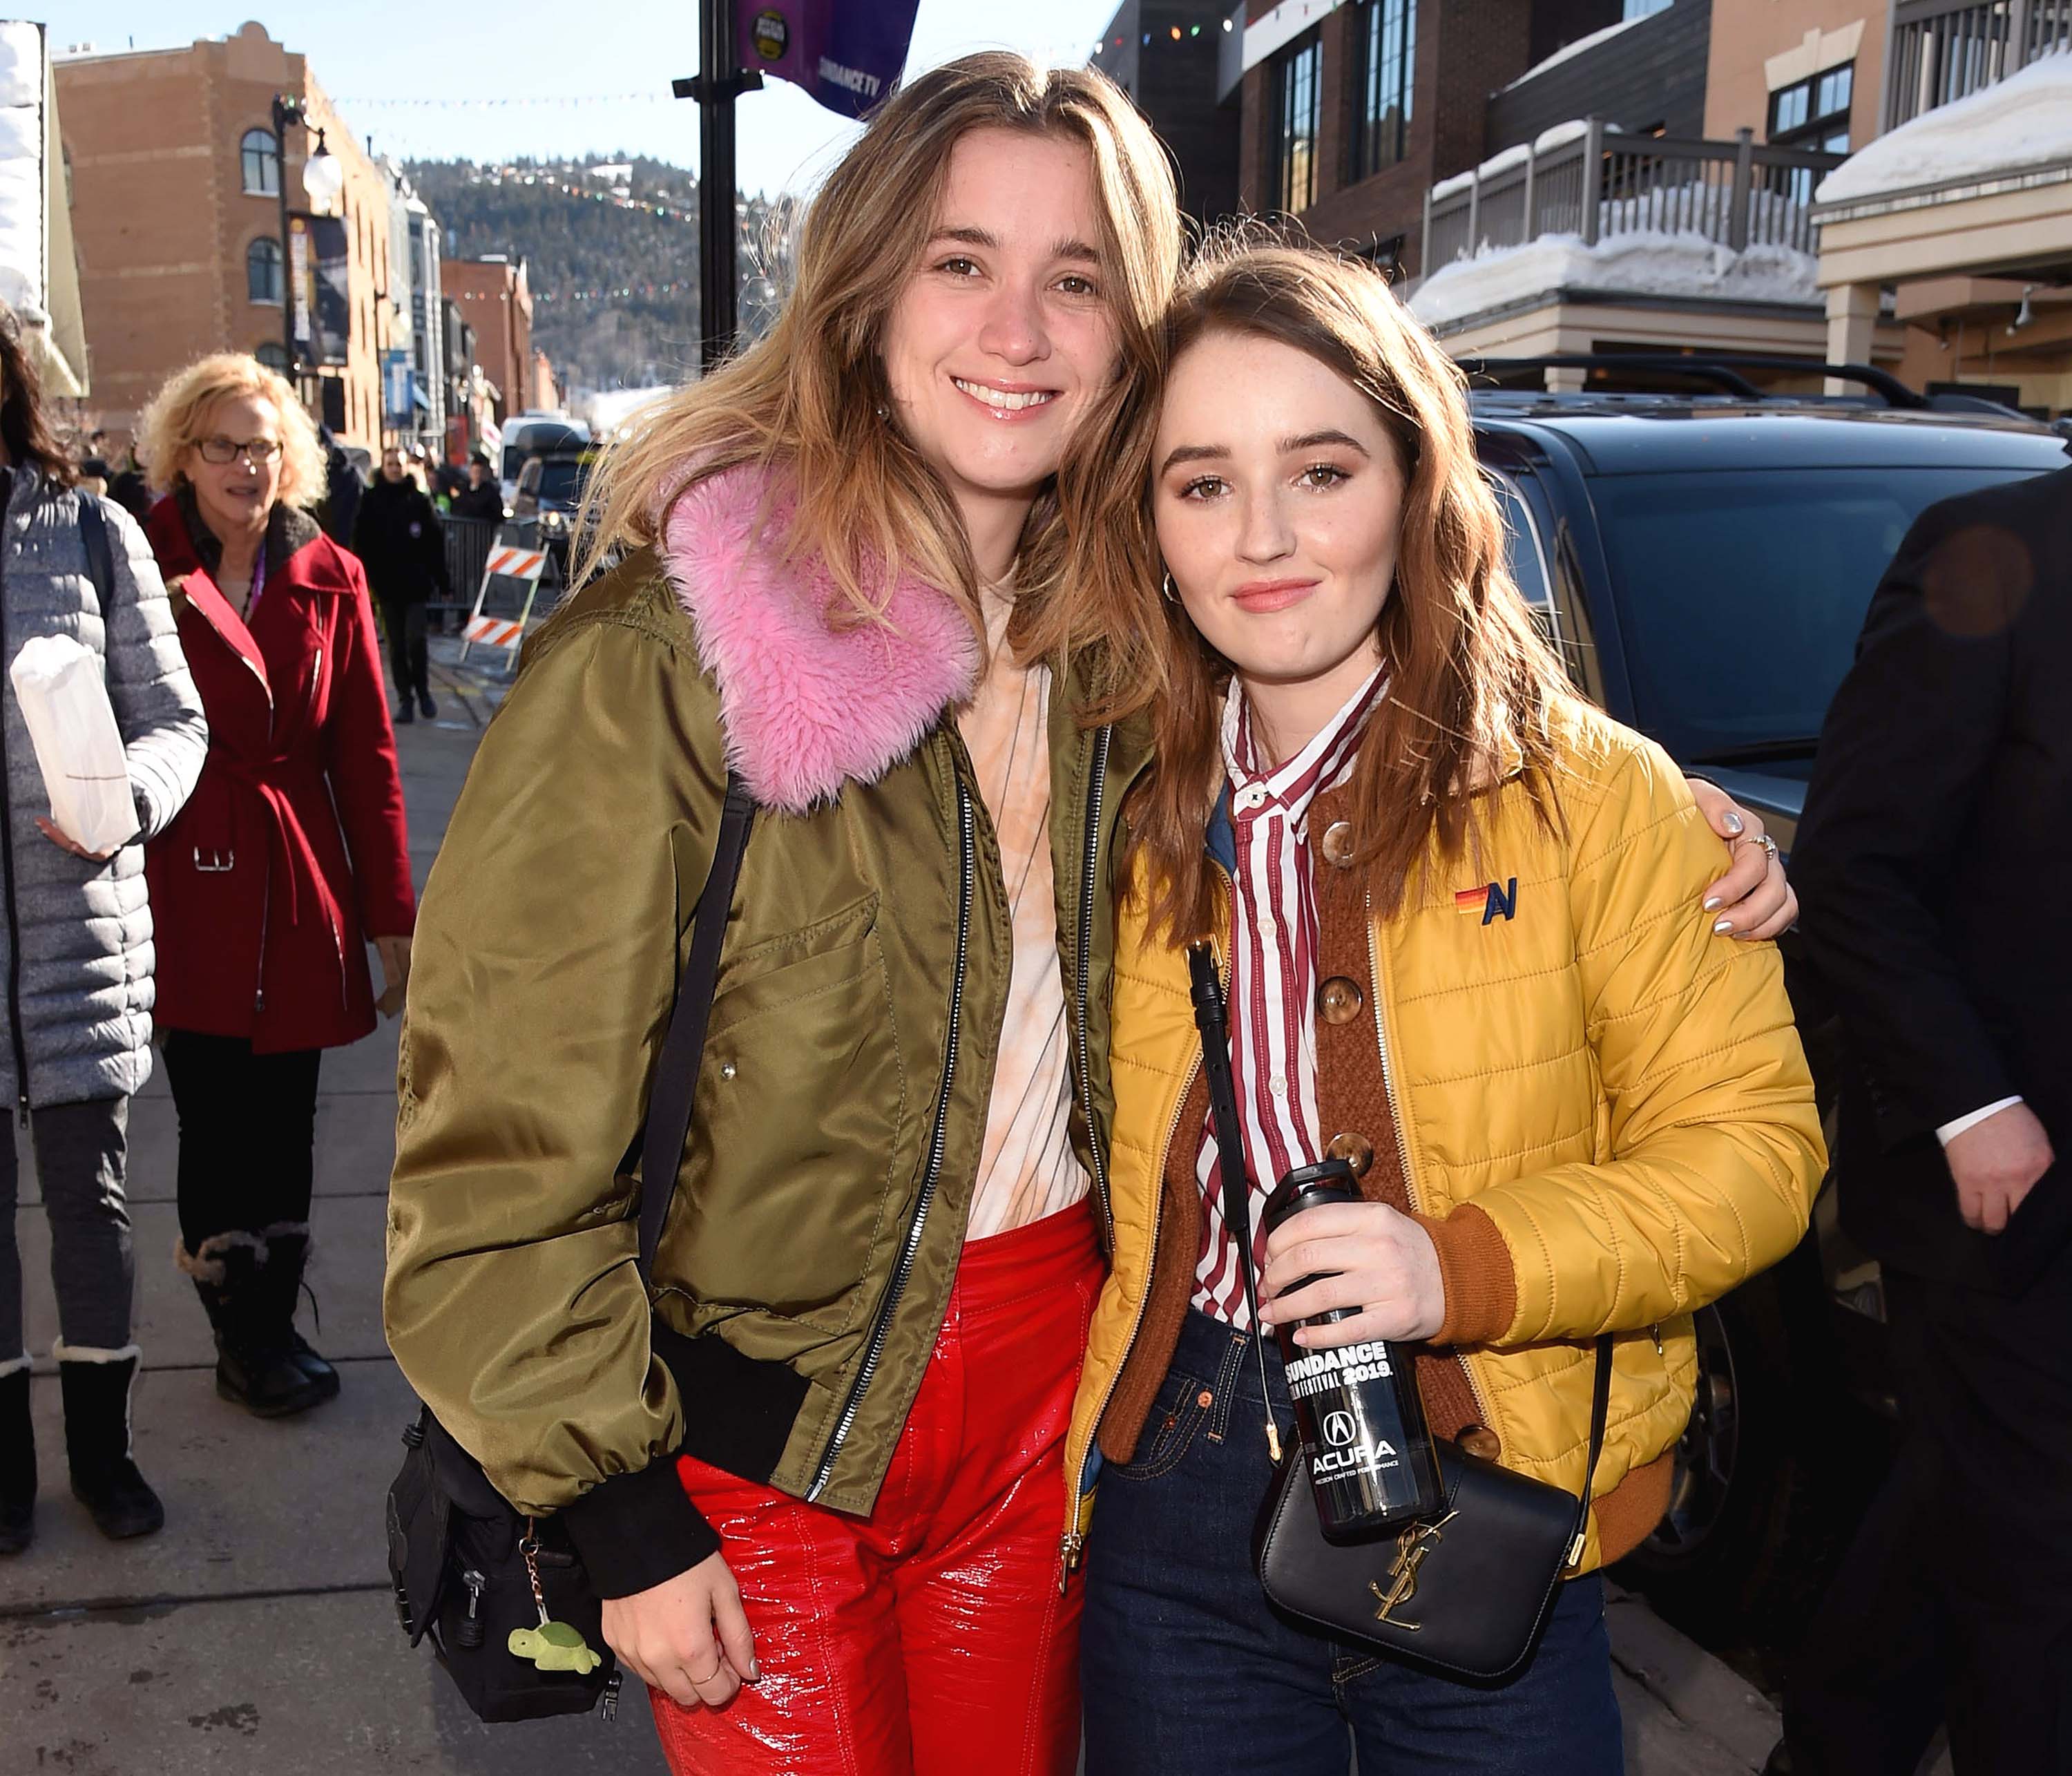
(553, 1646)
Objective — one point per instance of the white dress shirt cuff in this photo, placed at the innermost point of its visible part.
(1950, 1131)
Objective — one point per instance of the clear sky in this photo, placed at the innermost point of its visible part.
(605, 69)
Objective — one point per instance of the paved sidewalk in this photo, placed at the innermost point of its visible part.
(256, 1635)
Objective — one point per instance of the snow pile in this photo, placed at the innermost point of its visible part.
(21, 62)
(1647, 262)
(2026, 121)
(1576, 48)
(1562, 134)
(1541, 145)
(21, 181)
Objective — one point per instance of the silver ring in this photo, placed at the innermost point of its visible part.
(1766, 841)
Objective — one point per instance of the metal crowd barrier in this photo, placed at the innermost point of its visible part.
(468, 542)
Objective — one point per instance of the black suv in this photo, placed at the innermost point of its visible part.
(550, 491)
(1703, 562)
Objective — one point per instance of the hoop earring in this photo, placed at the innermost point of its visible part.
(1167, 589)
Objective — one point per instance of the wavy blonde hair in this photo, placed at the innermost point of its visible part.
(174, 422)
(1473, 689)
(808, 396)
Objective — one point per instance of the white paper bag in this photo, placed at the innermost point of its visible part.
(57, 683)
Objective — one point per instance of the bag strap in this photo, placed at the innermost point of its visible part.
(1212, 1018)
(1601, 1400)
(100, 556)
(669, 1124)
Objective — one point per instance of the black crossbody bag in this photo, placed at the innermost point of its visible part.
(468, 1569)
(1464, 1594)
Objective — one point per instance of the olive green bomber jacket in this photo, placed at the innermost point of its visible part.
(820, 1208)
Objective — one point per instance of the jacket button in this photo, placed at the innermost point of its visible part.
(1337, 845)
(1357, 1151)
(1481, 1442)
(1339, 1000)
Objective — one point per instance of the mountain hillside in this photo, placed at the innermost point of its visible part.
(612, 257)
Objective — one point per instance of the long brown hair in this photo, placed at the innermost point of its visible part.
(810, 396)
(24, 427)
(1471, 684)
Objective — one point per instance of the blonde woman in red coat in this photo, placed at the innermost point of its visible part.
(290, 856)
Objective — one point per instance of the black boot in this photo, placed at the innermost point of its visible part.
(97, 1412)
(287, 1255)
(255, 1368)
(18, 1460)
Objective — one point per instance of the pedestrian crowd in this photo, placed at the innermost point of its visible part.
(1082, 681)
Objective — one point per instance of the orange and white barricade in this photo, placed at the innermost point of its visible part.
(504, 626)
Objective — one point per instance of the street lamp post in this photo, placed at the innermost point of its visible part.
(720, 81)
(323, 179)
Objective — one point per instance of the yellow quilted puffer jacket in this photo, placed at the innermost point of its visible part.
(1606, 1118)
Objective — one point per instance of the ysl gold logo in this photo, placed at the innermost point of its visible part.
(1411, 1548)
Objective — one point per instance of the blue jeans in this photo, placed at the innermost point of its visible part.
(1185, 1669)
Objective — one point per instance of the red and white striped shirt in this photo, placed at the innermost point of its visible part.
(1273, 977)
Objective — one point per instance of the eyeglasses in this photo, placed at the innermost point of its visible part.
(257, 452)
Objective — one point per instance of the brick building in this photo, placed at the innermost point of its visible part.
(176, 178)
(1354, 108)
(496, 301)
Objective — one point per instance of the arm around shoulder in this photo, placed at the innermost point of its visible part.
(1714, 1140)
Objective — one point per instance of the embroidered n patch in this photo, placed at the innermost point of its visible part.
(1493, 901)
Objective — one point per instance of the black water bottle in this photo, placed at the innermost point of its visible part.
(1372, 1463)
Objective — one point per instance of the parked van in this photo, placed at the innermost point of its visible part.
(528, 435)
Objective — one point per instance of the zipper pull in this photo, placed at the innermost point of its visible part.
(1655, 1331)
(468, 1631)
(1068, 1557)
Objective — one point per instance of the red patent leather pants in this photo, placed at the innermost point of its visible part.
(931, 1637)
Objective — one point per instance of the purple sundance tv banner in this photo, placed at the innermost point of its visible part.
(847, 53)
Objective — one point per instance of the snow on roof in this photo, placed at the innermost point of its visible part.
(1649, 262)
(2025, 120)
(1576, 48)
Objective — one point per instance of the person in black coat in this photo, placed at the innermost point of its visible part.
(481, 498)
(344, 490)
(1932, 865)
(398, 538)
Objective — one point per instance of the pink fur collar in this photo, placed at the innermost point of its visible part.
(806, 707)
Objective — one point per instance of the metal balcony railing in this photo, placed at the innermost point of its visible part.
(1940, 51)
(1601, 183)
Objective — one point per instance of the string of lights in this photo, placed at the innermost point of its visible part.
(646, 97)
(672, 288)
(1174, 33)
(588, 195)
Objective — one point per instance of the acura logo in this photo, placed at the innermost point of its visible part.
(1338, 1428)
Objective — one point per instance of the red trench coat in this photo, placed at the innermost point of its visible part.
(292, 853)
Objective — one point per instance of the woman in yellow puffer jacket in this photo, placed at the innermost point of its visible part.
(1459, 911)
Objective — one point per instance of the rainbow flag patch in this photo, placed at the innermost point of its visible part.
(1493, 900)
